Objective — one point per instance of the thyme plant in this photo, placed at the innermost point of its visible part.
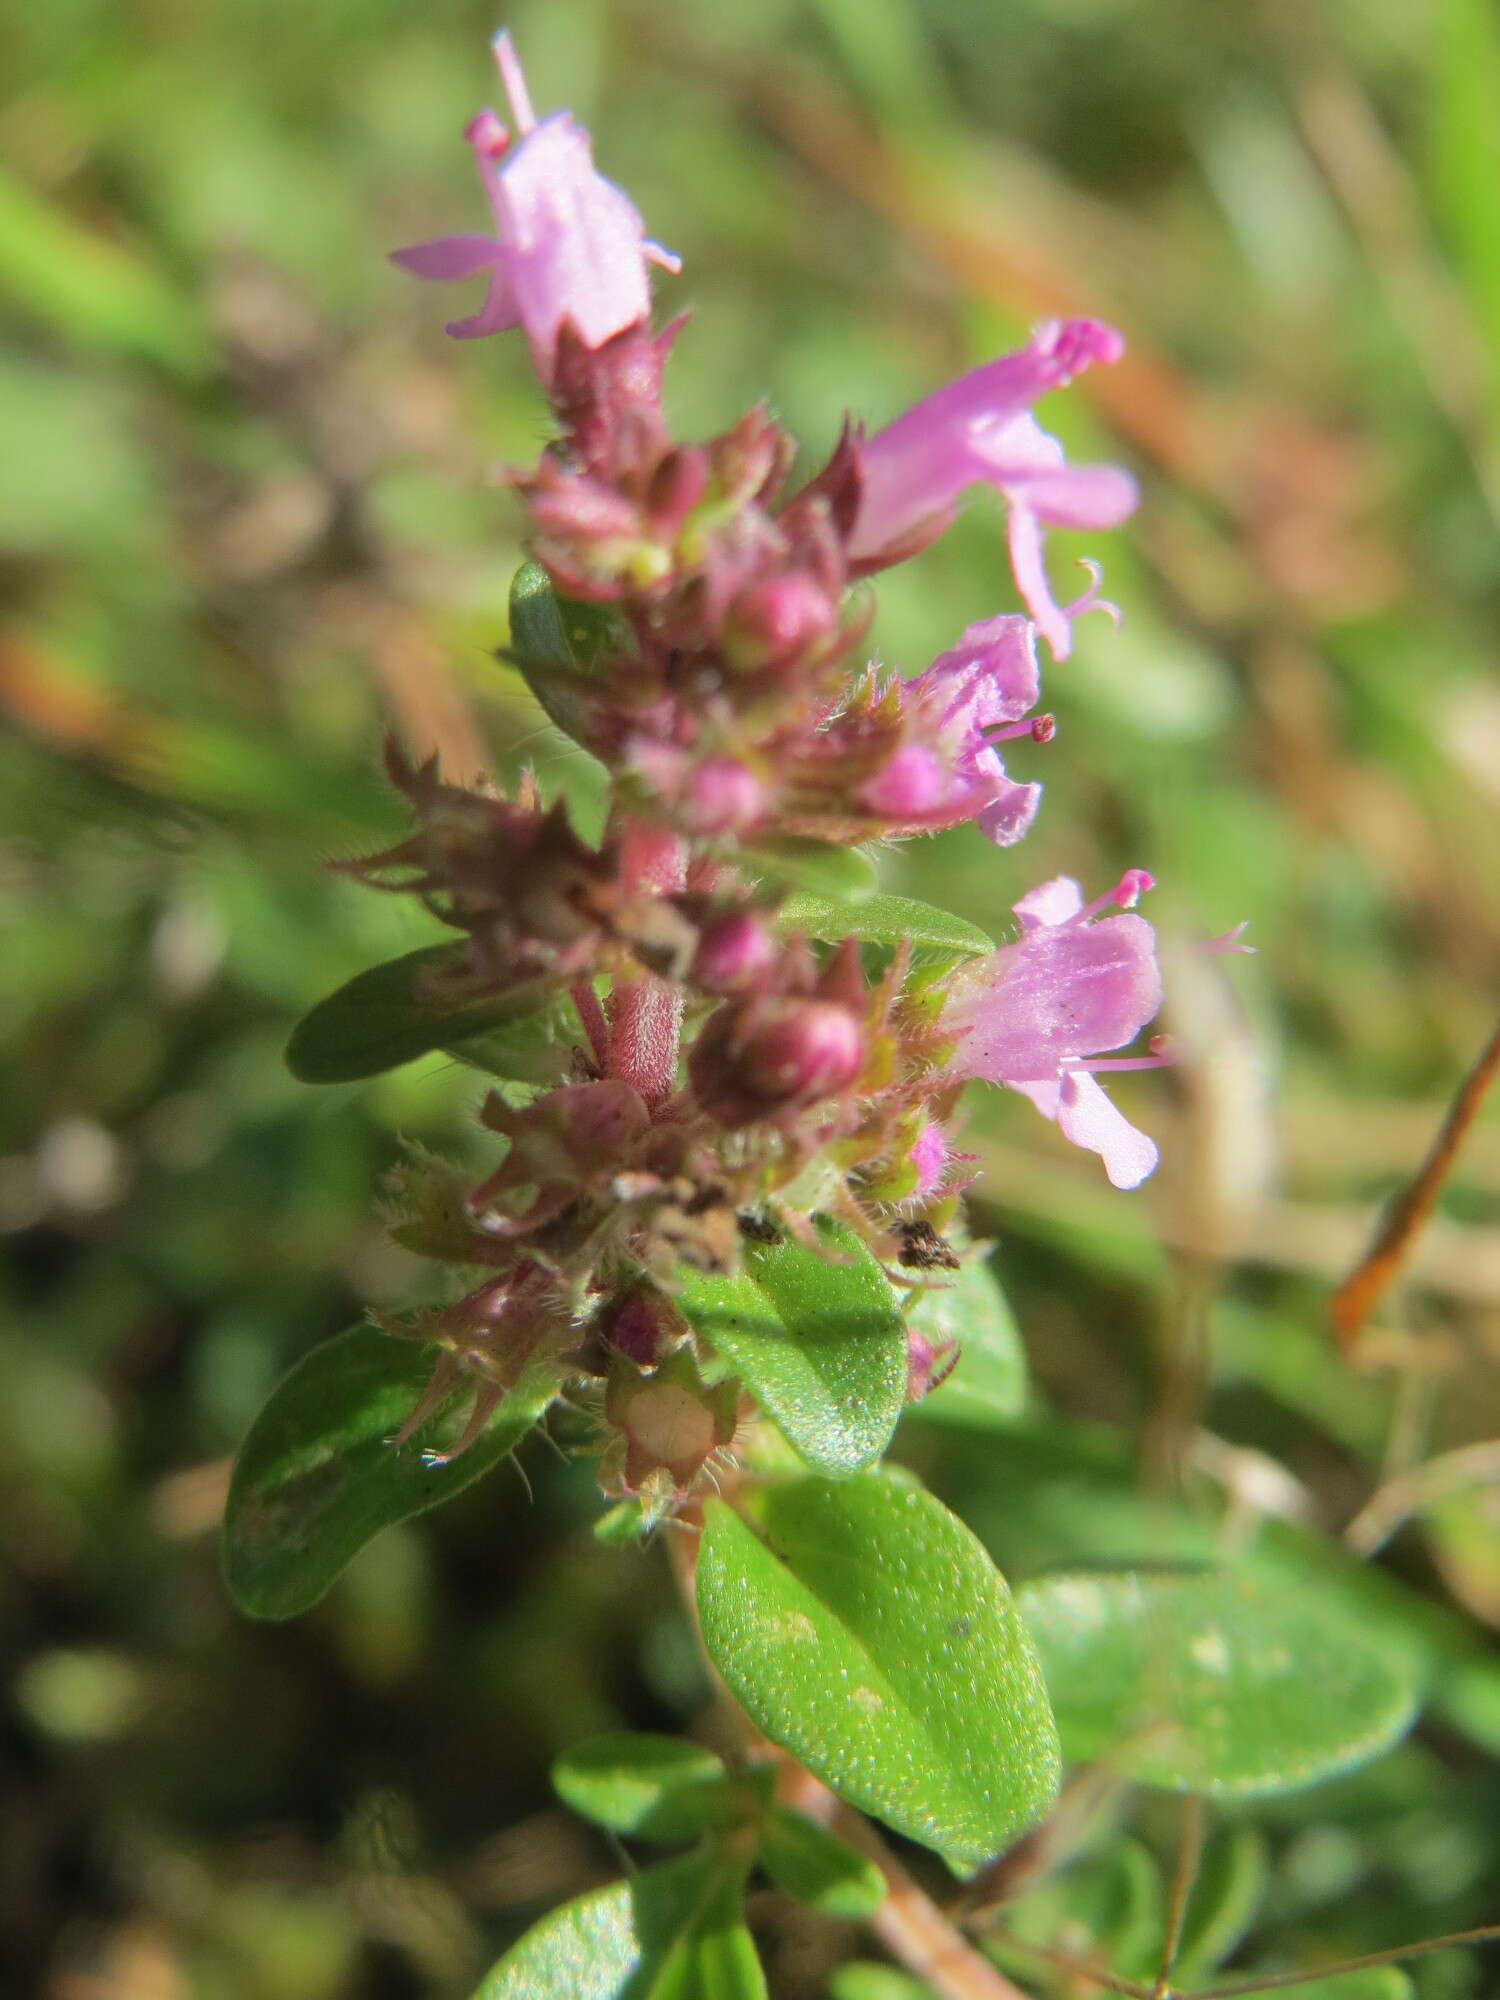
(724, 1212)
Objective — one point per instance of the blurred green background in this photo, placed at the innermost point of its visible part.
(247, 523)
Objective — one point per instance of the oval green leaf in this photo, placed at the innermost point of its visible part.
(559, 644)
(819, 1343)
(866, 1631)
(986, 1388)
(1209, 1682)
(315, 1478)
(384, 1017)
(657, 1787)
(883, 920)
(816, 1867)
(673, 1932)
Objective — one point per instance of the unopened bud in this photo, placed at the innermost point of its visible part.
(809, 1052)
(777, 620)
(734, 954)
(723, 796)
(753, 1061)
(643, 1326)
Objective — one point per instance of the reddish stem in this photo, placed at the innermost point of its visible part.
(591, 1014)
(645, 1015)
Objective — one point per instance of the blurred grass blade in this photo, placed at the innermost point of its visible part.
(91, 291)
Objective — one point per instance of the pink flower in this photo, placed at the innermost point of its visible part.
(978, 431)
(1039, 1014)
(568, 244)
(969, 699)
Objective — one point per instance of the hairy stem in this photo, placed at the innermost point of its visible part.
(645, 1015)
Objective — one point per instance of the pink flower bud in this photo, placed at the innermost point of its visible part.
(734, 954)
(722, 796)
(755, 1060)
(778, 619)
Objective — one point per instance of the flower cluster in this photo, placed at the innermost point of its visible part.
(726, 1066)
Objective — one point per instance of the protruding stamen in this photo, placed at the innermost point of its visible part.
(1091, 600)
(1230, 941)
(511, 75)
(1126, 893)
(487, 136)
(1040, 728)
(661, 256)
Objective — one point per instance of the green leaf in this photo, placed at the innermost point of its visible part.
(534, 1048)
(1212, 1683)
(840, 874)
(862, 1979)
(820, 1343)
(586, 1949)
(1108, 1905)
(987, 1388)
(816, 1867)
(622, 1525)
(869, 1634)
(385, 1017)
(883, 920)
(315, 1478)
(559, 644)
(659, 1787)
(91, 290)
(1225, 1898)
(673, 1932)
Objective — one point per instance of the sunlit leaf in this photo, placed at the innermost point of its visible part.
(1207, 1682)
(673, 1932)
(657, 1787)
(883, 920)
(863, 1628)
(316, 1478)
(818, 1340)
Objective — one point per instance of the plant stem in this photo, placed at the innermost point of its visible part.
(908, 1923)
(1353, 1302)
(645, 1015)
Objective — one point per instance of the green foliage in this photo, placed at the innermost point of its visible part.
(558, 644)
(966, 1309)
(818, 1339)
(1212, 1683)
(673, 1932)
(656, 1787)
(394, 1013)
(816, 1867)
(828, 873)
(883, 920)
(864, 1629)
(239, 450)
(317, 1477)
